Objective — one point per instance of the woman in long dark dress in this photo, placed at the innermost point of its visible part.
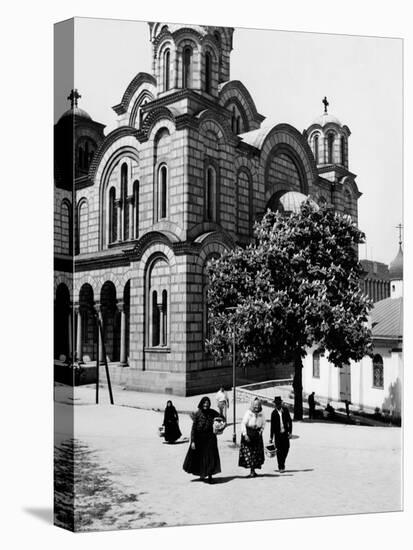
(171, 423)
(202, 458)
(251, 453)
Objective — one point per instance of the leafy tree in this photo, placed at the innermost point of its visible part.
(296, 286)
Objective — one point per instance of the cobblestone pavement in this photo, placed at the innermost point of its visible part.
(331, 469)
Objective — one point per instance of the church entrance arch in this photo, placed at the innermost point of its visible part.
(86, 331)
(62, 323)
(111, 328)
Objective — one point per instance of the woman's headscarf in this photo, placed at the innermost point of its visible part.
(203, 400)
(253, 403)
(170, 411)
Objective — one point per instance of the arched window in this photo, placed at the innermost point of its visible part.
(136, 208)
(156, 314)
(233, 120)
(343, 150)
(378, 381)
(186, 67)
(162, 191)
(316, 364)
(208, 72)
(238, 125)
(124, 201)
(210, 194)
(164, 318)
(166, 69)
(140, 112)
(156, 318)
(66, 236)
(82, 227)
(330, 148)
(316, 151)
(347, 202)
(112, 215)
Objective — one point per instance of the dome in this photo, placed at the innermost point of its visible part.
(396, 267)
(292, 201)
(76, 111)
(326, 118)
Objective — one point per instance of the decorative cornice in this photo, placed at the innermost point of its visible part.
(99, 262)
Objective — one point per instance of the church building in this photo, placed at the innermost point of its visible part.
(373, 384)
(141, 210)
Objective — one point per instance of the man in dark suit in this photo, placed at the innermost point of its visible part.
(281, 429)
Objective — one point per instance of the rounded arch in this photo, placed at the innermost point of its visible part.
(158, 115)
(210, 124)
(64, 278)
(280, 176)
(237, 109)
(236, 91)
(295, 146)
(62, 323)
(157, 298)
(86, 332)
(128, 153)
(133, 89)
(111, 321)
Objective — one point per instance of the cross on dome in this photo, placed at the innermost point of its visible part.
(73, 98)
(326, 103)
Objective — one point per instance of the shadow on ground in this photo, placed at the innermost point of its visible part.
(45, 514)
(101, 501)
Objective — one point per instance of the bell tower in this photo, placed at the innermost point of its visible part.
(195, 57)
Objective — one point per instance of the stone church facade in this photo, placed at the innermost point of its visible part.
(182, 179)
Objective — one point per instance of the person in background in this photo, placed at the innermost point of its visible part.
(202, 458)
(329, 412)
(311, 406)
(251, 453)
(222, 402)
(281, 429)
(171, 423)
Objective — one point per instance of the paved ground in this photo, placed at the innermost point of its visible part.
(331, 469)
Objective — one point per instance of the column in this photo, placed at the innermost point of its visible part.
(99, 314)
(131, 218)
(78, 335)
(119, 221)
(69, 334)
(123, 361)
(162, 324)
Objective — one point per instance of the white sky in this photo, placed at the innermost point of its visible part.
(287, 75)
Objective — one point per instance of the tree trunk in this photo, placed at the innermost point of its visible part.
(298, 387)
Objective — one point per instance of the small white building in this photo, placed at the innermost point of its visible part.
(374, 383)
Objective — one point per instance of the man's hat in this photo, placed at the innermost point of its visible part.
(277, 398)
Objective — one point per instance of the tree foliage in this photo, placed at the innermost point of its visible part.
(297, 285)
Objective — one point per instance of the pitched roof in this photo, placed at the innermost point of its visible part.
(387, 318)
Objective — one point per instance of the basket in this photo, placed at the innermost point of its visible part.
(161, 431)
(218, 426)
(270, 451)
